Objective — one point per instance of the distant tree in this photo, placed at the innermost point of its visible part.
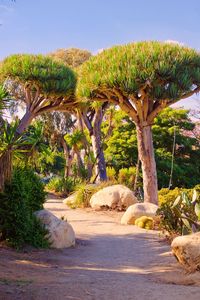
(93, 117)
(90, 116)
(121, 147)
(72, 57)
(56, 126)
(142, 78)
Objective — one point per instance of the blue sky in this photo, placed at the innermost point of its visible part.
(41, 26)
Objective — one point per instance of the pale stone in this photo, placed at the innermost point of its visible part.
(61, 233)
(187, 251)
(71, 199)
(115, 197)
(138, 210)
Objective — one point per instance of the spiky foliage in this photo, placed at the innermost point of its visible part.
(3, 101)
(153, 72)
(75, 139)
(47, 85)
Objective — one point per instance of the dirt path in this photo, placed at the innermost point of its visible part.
(110, 261)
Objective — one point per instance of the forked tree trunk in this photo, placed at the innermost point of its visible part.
(95, 134)
(146, 155)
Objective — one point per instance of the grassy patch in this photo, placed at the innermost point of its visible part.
(18, 282)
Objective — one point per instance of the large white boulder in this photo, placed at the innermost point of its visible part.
(138, 210)
(187, 251)
(115, 197)
(61, 233)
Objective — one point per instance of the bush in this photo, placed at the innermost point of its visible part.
(111, 173)
(84, 193)
(60, 184)
(182, 214)
(165, 195)
(55, 184)
(24, 195)
(126, 176)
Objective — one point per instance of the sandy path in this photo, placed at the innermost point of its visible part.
(110, 261)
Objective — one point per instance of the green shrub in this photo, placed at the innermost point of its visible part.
(55, 184)
(24, 195)
(21, 197)
(111, 173)
(126, 176)
(60, 184)
(84, 193)
(182, 214)
(165, 195)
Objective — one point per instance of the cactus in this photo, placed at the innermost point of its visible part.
(144, 222)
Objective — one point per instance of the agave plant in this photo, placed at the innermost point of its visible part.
(3, 98)
(182, 215)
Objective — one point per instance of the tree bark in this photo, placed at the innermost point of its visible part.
(80, 164)
(5, 168)
(94, 127)
(136, 176)
(25, 122)
(146, 155)
(86, 144)
(67, 157)
(100, 168)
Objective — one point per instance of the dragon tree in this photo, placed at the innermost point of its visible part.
(142, 78)
(42, 84)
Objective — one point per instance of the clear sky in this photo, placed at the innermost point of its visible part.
(41, 26)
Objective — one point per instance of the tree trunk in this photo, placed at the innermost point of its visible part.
(80, 164)
(97, 146)
(136, 176)
(146, 155)
(5, 168)
(25, 122)
(67, 157)
(86, 144)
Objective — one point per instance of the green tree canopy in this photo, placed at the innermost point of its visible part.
(165, 72)
(40, 82)
(52, 78)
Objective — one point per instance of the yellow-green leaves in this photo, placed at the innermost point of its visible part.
(49, 75)
(172, 70)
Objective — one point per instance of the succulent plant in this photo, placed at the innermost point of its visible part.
(181, 215)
